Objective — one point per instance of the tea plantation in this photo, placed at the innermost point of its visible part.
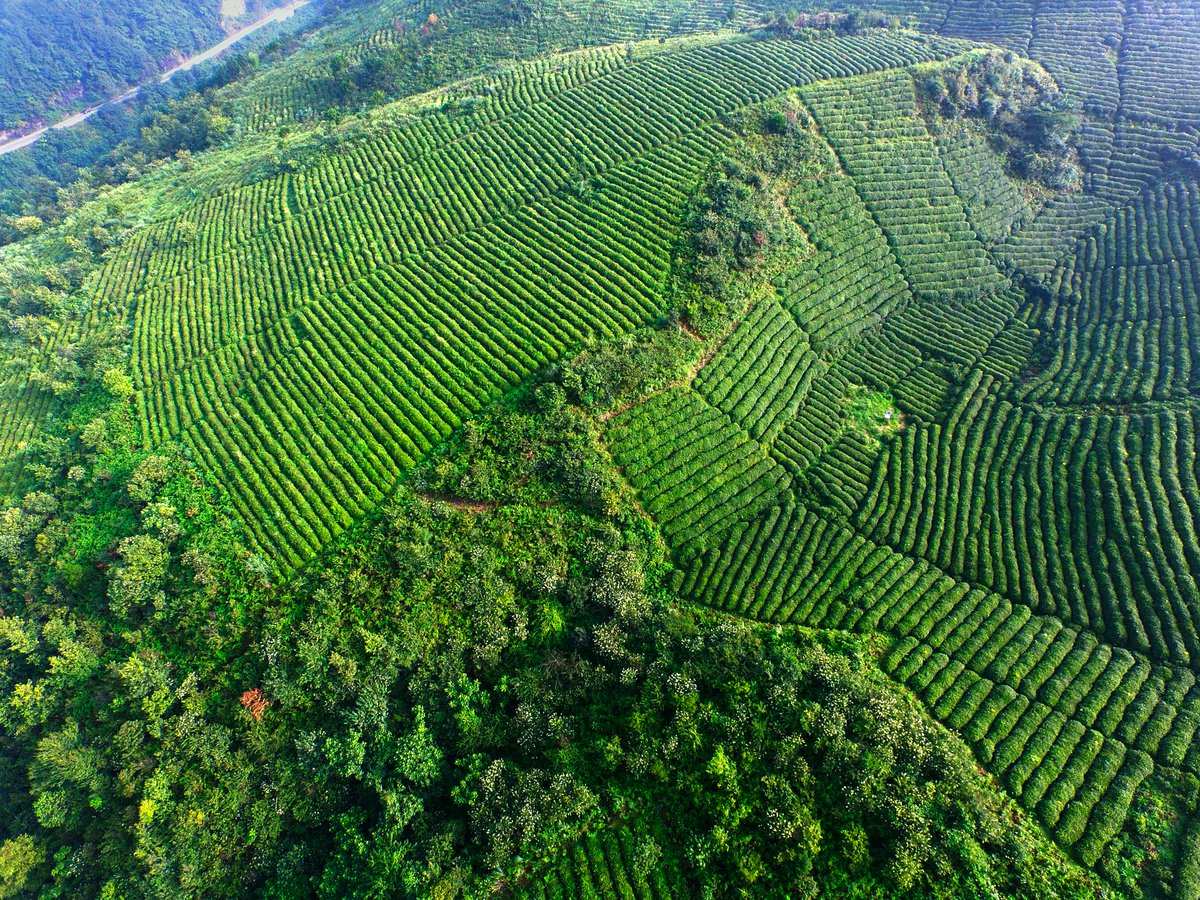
(636, 449)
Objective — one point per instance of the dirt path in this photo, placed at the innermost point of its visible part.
(459, 503)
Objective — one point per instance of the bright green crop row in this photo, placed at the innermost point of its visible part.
(1071, 725)
(873, 125)
(853, 283)
(1128, 306)
(1157, 66)
(695, 469)
(762, 372)
(1090, 517)
(600, 864)
(992, 202)
(395, 361)
(313, 335)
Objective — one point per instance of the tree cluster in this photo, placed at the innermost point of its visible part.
(791, 23)
(465, 688)
(89, 51)
(1030, 122)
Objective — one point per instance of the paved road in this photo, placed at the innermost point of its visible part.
(278, 15)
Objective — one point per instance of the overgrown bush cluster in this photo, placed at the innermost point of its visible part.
(1031, 122)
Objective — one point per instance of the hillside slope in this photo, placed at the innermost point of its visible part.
(72, 54)
(637, 449)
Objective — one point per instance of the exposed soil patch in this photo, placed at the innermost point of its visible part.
(687, 329)
(460, 503)
(613, 413)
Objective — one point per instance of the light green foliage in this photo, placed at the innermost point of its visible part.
(873, 411)
(19, 858)
(26, 224)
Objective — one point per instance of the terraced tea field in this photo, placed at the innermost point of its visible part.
(1029, 535)
(961, 420)
(311, 336)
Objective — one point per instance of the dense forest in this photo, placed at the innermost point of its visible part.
(632, 449)
(72, 53)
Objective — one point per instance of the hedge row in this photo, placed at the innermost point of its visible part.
(1157, 65)
(874, 126)
(696, 471)
(1071, 725)
(1093, 518)
(1126, 308)
(250, 258)
(316, 421)
(853, 283)
(761, 374)
(992, 202)
(1073, 38)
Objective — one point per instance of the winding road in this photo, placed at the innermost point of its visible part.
(278, 15)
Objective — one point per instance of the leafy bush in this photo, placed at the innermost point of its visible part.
(1032, 124)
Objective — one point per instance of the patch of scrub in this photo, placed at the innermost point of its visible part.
(873, 413)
